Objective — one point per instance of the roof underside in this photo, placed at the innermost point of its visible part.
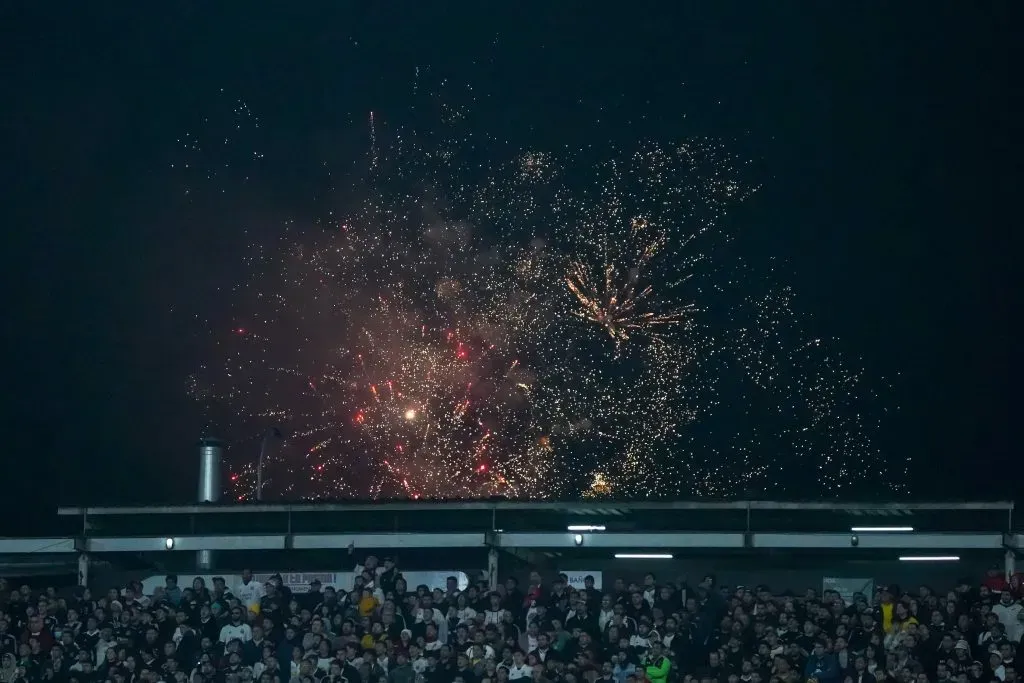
(740, 516)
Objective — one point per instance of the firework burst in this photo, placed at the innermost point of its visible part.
(479, 322)
(618, 298)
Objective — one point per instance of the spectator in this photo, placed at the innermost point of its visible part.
(171, 590)
(822, 666)
(236, 630)
(1008, 611)
(656, 664)
(249, 591)
(383, 632)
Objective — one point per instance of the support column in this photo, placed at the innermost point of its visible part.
(1010, 563)
(492, 569)
(83, 570)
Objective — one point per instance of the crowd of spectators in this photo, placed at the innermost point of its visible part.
(385, 631)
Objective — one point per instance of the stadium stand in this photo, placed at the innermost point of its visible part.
(566, 597)
(548, 628)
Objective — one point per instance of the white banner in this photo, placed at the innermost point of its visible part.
(299, 582)
(847, 587)
(576, 579)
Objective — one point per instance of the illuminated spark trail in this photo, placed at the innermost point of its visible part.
(520, 324)
(617, 308)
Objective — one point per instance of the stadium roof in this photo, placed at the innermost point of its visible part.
(734, 526)
(509, 516)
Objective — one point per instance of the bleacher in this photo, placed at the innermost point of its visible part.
(495, 591)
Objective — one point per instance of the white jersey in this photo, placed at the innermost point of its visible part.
(250, 594)
(465, 615)
(517, 672)
(231, 632)
(1009, 617)
(488, 652)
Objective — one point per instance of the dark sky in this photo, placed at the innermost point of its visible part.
(888, 134)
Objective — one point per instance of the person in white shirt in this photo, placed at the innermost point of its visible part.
(236, 629)
(461, 612)
(250, 591)
(427, 613)
(519, 668)
(416, 659)
(485, 652)
(604, 616)
(650, 589)
(180, 633)
(494, 613)
(1008, 613)
(530, 640)
(105, 642)
(995, 663)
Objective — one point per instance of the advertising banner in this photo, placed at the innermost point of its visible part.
(576, 578)
(847, 587)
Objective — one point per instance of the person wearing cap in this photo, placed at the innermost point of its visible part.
(961, 653)
(994, 666)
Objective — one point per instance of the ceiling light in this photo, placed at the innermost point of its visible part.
(642, 556)
(585, 527)
(881, 528)
(930, 558)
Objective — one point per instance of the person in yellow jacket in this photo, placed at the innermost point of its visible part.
(885, 610)
(368, 603)
(656, 664)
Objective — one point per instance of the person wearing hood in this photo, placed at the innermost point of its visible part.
(9, 672)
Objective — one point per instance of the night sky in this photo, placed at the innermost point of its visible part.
(887, 135)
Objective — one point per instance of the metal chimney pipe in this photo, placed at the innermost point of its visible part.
(210, 455)
(211, 452)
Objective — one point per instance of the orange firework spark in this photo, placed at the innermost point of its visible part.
(618, 301)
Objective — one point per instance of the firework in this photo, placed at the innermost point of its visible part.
(617, 300)
(486, 322)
